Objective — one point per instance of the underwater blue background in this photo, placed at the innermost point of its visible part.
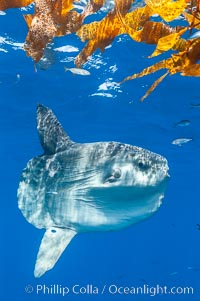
(163, 250)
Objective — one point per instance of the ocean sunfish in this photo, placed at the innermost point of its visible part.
(75, 187)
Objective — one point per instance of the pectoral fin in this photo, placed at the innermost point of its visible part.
(54, 242)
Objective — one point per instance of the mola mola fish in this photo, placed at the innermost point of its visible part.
(74, 187)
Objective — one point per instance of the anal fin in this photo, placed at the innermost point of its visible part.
(54, 242)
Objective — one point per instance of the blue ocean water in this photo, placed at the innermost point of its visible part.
(162, 251)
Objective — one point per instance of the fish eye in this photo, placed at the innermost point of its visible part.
(117, 173)
(143, 166)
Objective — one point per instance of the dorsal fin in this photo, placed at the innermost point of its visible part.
(52, 136)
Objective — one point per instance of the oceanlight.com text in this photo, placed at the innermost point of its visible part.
(111, 289)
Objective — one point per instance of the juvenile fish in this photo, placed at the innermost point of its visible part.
(181, 141)
(195, 105)
(78, 71)
(195, 35)
(184, 122)
(173, 273)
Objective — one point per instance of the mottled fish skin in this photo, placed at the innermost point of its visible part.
(86, 187)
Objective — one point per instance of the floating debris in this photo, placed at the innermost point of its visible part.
(78, 71)
(181, 141)
(184, 122)
(18, 77)
(198, 226)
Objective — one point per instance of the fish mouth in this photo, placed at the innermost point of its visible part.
(164, 177)
(162, 184)
(165, 171)
(167, 175)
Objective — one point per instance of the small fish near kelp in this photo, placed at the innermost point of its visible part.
(182, 123)
(181, 141)
(77, 71)
(195, 105)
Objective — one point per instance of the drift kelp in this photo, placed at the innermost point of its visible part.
(54, 18)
